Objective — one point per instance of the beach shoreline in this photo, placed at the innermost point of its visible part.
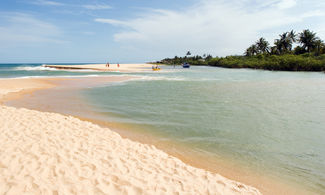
(265, 184)
(105, 67)
(61, 158)
(224, 167)
(22, 91)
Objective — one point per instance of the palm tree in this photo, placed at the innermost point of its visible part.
(262, 46)
(284, 44)
(274, 50)
(279, 45)
(252, 50)
(319, 44)
(308, 40)
(293, 36)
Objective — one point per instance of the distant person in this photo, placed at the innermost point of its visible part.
(118, 65)
(107, 65)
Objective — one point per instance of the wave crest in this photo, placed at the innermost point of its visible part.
(34, 68)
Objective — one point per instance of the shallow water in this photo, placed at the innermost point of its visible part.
(270, 122)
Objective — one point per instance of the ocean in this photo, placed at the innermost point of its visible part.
(268, 121)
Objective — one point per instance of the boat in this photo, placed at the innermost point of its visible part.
(155, 68)
(186, 65)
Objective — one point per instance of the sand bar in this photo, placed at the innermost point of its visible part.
(103, 67)
(49, 153)
(14, 88)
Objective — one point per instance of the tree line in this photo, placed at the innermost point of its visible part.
(307, 40)
(193, 60)
(307, 55)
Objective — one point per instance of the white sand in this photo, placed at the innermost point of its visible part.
(49, 153)
(103, 67)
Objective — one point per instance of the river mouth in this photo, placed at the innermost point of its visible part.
(109, 105)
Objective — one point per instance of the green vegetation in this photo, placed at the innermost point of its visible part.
(194, 60)
(286, 62)
(308, 55)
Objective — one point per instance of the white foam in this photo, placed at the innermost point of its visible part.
(43, 68)
(34, 68)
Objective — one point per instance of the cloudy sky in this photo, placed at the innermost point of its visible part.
(47, 31)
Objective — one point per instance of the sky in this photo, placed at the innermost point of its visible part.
(132, 31)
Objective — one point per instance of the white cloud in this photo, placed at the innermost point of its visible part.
(46, 2)
(285, 4)
(97, 7)
(221, 27)
(111, 21)
(18, 29)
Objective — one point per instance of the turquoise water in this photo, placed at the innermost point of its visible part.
(272, 122)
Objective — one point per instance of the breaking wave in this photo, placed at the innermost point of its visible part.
(35, 68)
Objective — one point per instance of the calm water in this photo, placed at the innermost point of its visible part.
(270, 121)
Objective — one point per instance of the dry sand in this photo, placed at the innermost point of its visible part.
(49, 153)
(103, 67)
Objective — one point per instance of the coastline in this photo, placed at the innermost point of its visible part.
(221, 183)
(104, 67)
(223, 166)
(49, 152)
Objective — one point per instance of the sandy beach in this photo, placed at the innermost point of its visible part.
(14, 88)
(104, 67)
(162, 97)
(49, 153)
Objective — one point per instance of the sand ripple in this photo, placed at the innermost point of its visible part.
(48, 153)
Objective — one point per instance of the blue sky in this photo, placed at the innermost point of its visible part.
(144, 30)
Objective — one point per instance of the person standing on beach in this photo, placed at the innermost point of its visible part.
(107, 65)
(118, 65)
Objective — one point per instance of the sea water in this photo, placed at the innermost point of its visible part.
(34, 70)
(272, 122)
(269, 121)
